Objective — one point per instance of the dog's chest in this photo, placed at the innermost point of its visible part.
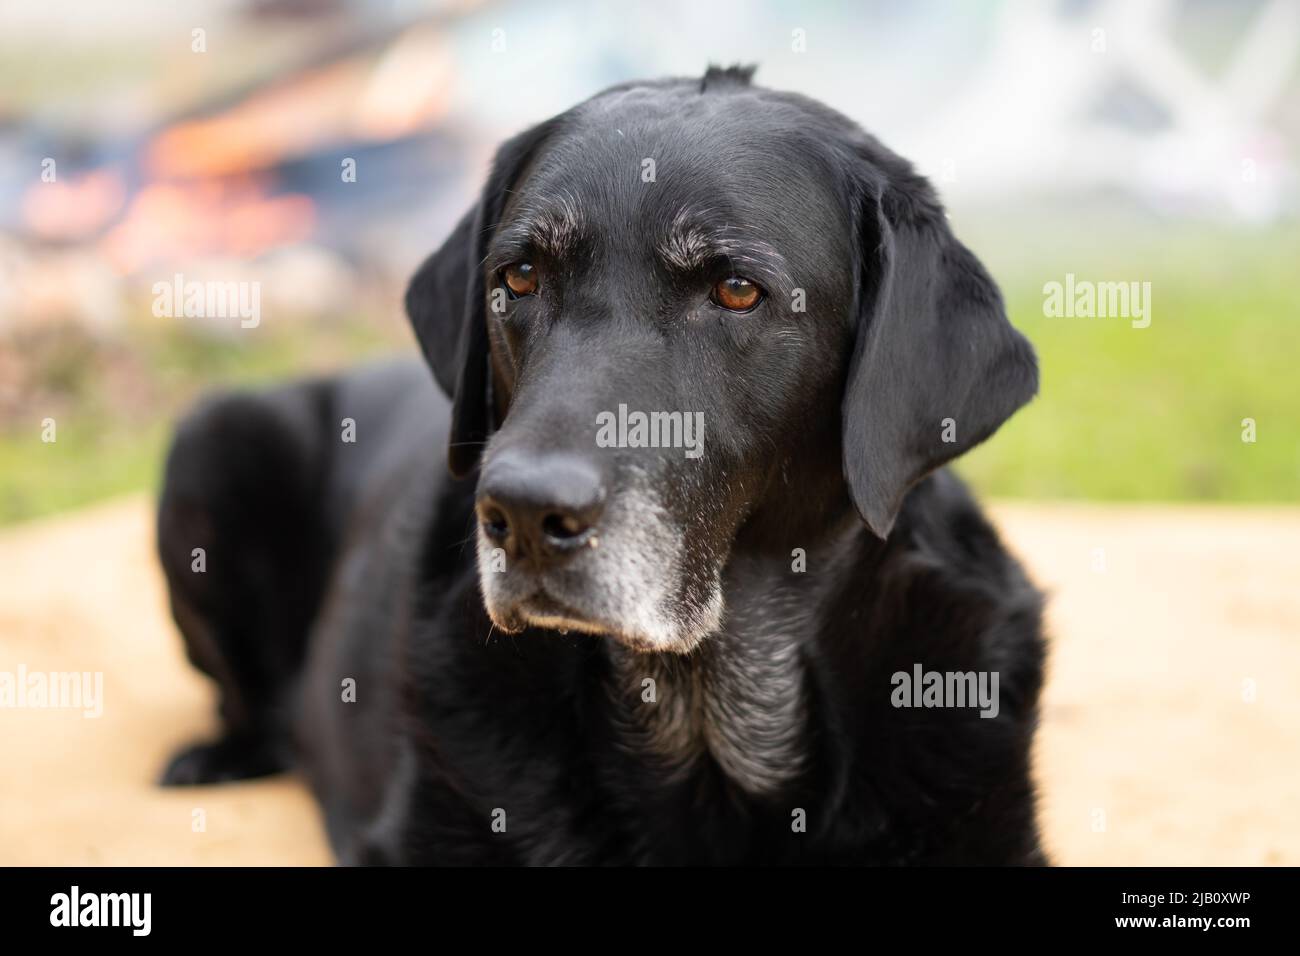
(739, 701)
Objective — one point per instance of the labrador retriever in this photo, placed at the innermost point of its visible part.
(696, 588)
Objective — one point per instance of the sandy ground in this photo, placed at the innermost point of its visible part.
(1171, 725)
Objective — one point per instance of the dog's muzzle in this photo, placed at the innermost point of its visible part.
(541, 509)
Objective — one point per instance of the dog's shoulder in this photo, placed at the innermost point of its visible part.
(943, 527)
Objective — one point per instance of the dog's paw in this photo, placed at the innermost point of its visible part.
(227, 759)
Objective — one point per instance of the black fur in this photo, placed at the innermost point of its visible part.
(330, 562)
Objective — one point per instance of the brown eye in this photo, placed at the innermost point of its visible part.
(520, 278)
(737, 294)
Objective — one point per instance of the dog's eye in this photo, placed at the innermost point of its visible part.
(520, 278)
(737, 294)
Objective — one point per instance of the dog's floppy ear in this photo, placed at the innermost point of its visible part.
(447, 304)
(936, 367)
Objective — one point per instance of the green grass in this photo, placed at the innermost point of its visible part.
(87, 462)
(1155, 414)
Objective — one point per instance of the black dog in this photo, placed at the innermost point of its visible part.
(706, 346)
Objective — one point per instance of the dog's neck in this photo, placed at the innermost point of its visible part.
(741, 698)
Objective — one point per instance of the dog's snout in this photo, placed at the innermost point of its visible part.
(540, 507)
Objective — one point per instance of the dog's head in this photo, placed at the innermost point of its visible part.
(684, 304)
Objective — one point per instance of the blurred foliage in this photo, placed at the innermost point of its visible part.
(114, 398)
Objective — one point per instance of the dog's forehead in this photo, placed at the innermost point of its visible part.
(658, 154)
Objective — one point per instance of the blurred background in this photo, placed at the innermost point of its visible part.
(321, 148)
(1150, 141)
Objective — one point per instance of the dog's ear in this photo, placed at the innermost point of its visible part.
(447, 304)
(436, 298)
(936, 367)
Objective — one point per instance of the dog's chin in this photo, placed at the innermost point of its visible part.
(544, 613)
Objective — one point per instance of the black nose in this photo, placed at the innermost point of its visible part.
(540, 507)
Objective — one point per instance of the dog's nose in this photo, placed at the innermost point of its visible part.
(541, 507)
